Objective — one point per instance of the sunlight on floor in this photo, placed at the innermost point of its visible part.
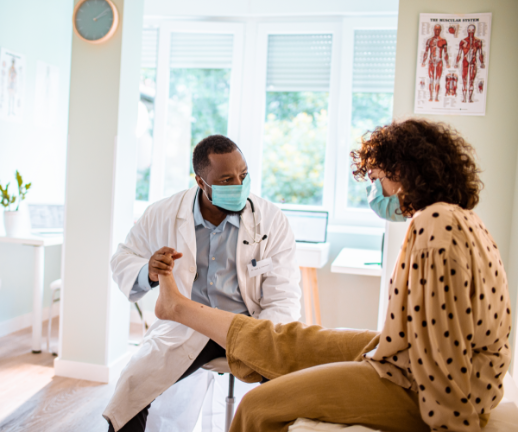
(28, 379)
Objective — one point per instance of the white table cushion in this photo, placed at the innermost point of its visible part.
(504, 418)
(306, 425)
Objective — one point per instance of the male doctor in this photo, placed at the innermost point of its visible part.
(237, 254)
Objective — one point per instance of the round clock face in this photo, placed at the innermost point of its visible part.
(95, 20)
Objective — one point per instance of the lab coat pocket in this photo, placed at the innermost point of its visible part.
(257, 268)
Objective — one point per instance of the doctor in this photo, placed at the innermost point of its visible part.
(238, 255)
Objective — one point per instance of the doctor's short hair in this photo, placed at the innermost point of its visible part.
(432, 161)
(213, 144)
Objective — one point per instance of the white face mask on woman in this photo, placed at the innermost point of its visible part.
(385, 207)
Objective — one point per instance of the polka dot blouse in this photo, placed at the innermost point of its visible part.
(448, 320)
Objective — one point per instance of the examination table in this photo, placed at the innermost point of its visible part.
(504, 418)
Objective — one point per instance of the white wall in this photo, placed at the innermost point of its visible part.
(493, 135)
(40, 30)
(349, 301)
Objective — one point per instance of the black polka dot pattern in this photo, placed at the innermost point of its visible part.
(451, 322)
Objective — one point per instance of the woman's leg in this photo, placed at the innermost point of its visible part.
(257, 348)
(173, 306)
(348, 393)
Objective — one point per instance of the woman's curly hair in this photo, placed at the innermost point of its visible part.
(432, 162)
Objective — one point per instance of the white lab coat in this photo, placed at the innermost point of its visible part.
(169, 348)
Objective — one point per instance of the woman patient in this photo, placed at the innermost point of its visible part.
(441, 357)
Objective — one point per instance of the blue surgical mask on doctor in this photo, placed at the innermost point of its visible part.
(230, 197)
(385, 207)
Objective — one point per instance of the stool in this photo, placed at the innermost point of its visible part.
(55, 288)
(310, 288)
(220, 365)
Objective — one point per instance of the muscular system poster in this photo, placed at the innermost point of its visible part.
(452, 64)
(12, 85)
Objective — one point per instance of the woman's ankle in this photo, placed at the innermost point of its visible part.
(176, 309)
(167, 310)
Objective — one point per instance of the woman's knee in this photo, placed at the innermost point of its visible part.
(253, 401)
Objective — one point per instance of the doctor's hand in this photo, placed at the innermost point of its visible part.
(162, 262)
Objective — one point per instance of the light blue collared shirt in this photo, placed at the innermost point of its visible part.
(216, 285)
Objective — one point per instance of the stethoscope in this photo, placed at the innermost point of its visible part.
(264, 237)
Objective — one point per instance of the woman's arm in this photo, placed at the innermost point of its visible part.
(173, 306)
(441, 330)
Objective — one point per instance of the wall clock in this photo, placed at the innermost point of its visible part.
(95, 21)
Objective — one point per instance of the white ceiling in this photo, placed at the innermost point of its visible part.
(257, 8)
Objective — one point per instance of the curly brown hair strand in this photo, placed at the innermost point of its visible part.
(432, 162)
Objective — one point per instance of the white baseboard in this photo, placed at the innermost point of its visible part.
(23, 321)
(90, 371)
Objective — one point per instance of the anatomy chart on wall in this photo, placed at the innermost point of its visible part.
(12, 85)
(46, 95)
(452, 64)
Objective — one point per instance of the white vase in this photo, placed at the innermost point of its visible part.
(13, 222)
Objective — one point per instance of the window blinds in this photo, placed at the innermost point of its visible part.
(299, 62)
(201, 50)
(374, 64)
(149, 48)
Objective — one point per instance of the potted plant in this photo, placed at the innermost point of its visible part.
(13, 220)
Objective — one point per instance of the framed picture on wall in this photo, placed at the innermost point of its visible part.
(12, 85)
(452, 64)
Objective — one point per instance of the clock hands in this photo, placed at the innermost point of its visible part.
(101, 14)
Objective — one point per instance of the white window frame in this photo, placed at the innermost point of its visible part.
(165, 29)
(247, 102)
(344, 215)
(254, 138)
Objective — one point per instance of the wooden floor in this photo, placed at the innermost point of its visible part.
(32, 399)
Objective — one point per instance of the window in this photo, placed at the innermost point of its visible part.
(372, 94)
(146, 111)
(295, 96)
(199, 92)
(296, 122)
(190, 75)
(367, 81)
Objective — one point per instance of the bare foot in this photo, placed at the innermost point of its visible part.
(169, 298)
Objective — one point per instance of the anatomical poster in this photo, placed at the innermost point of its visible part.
(46, 95)
(12, 85)
(452, 64)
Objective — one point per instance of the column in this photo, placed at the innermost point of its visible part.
(100, 189)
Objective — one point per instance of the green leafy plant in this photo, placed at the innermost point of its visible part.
(7, 199)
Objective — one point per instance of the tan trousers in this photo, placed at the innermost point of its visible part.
(315, 373)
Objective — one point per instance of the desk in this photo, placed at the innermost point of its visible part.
(38, 243)
(352, 261)
(310, 257)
